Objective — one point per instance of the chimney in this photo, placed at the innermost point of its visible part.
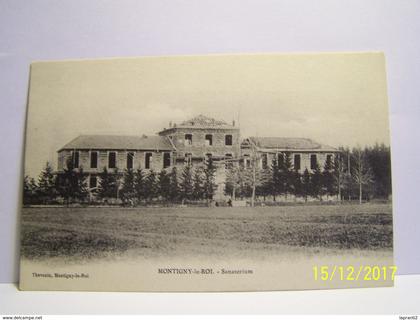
(233, 122)
(170, 124)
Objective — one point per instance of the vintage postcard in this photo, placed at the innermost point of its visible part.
(208, 173)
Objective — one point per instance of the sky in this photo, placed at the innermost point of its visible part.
(335, 99)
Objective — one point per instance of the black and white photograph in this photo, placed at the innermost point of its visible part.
(246, 172)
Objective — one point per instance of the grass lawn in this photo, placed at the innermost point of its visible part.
(80, 233)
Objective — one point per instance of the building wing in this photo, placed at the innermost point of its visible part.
(287, 144)
(117, 142)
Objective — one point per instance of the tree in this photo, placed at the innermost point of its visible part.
(276, 181)
(264, 182)
(108, 184)
(128, 190)
(197, 181)
(231, 181)
(316, 182)
(47, 184)
(362, 174)
(328, 183)
(297, 187)
(173, 185)
(164, 184)
(379, 159)
(72, 183)
(236, 183)
(186, 185)
(348, 184)
(139, 185)
(338, 176)
(286, 174)
(82, 190)
(209, 185)
(151, 186)
(30, 190)
(306, 185)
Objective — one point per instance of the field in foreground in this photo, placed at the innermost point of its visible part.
(88, 233)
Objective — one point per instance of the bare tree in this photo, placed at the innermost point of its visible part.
(362, 174)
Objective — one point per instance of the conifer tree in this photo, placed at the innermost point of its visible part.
(139, 185)
(164, 184)
(72, 183)
(338, 175)
(297, 187)
(128, 191)
(378, 158)
(197, 192)
(209, 185)
(276, 181)
(264, 182)
(47, 185)
(286, 174)
(173, 185)
(328, 184)
(306, 185)
(186, 185)
(108, 187)
(316, 182)
(82, 191)
(151, 186)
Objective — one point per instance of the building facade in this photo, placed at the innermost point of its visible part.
(188, 143)
(304, 153)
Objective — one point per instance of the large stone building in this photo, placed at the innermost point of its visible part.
(189, 142)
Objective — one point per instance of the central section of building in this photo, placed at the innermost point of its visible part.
(202, 137)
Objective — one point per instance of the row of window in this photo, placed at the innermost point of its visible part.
(112, 159)
(188, 157)
(188, 140)
(296, 160)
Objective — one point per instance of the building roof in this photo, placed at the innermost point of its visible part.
(201, 122)
(116, 142)
(283, 143)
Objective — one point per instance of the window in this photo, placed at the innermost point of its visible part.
(207, 157)
(130, 160)
(112, 160)
(296, 163)
(264, 160)
(93, 182)
(228, 161)
(328, 162)
(75, 159)
(280, 159)
(147, 160)
(188, 159)
(228, 140)
(247, 161)
(93, 159)
(188, 139)
(209, 140)
(166, 160)
(314, 161)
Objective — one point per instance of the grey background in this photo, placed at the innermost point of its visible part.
(42, 30)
